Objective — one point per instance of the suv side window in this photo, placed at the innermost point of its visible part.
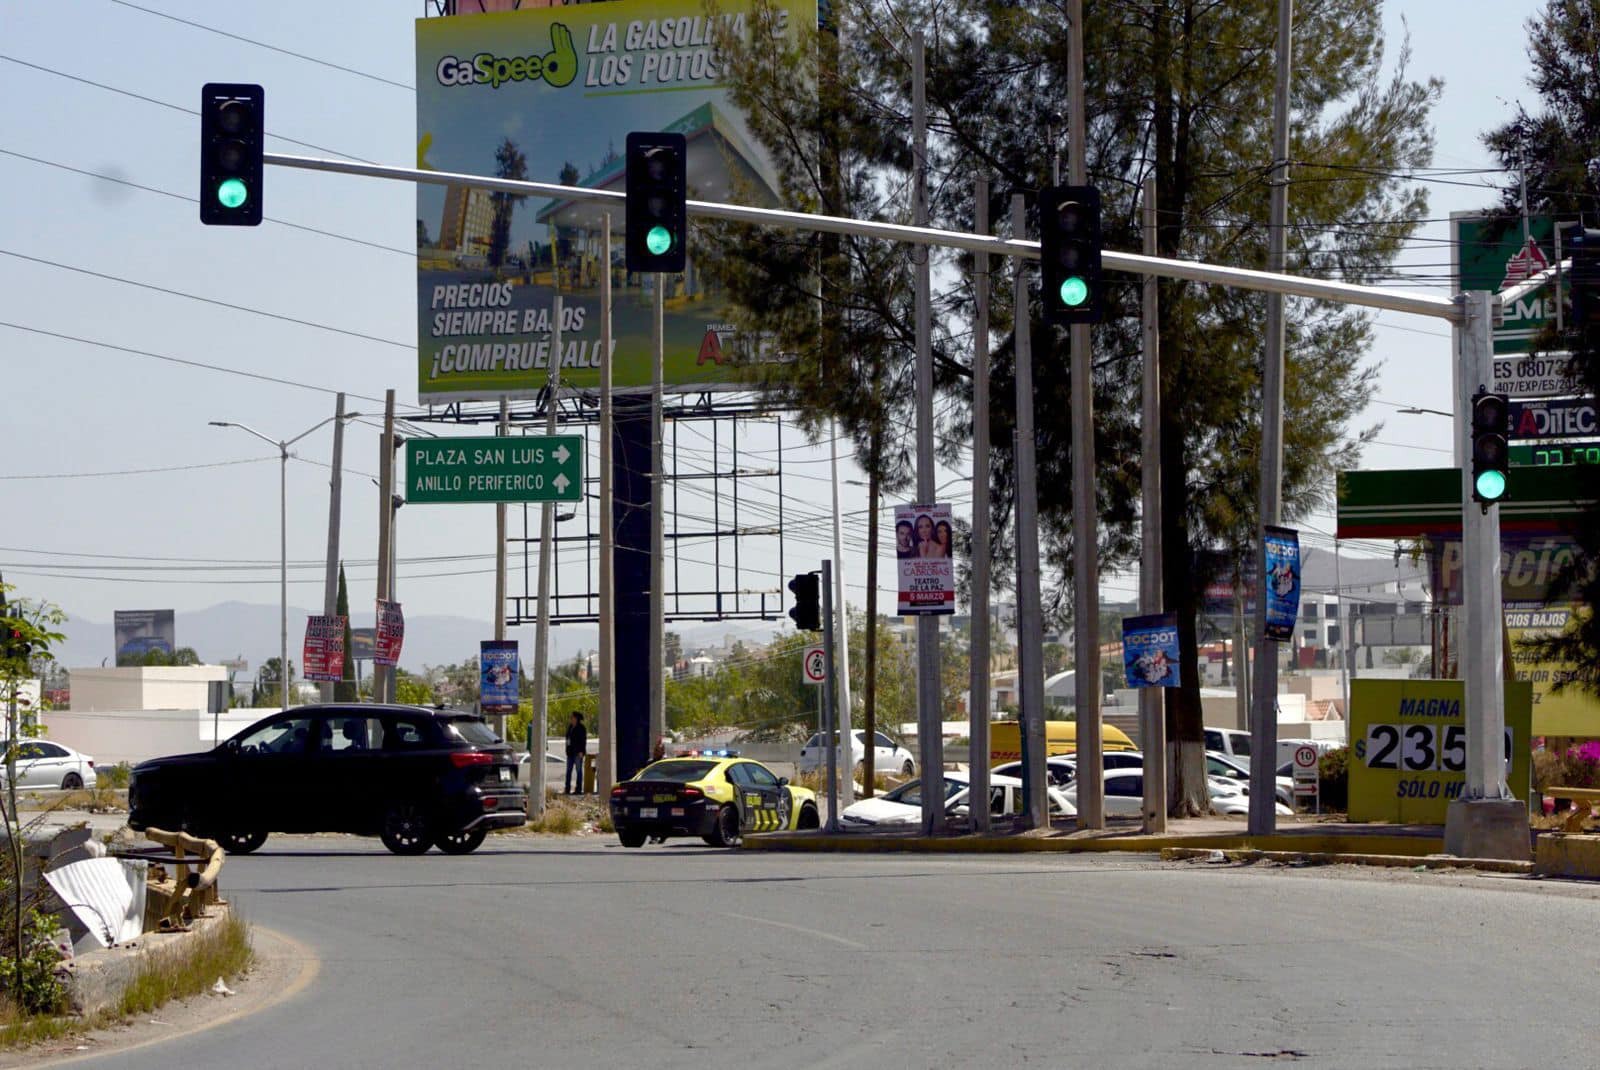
(350, 732)
(406, 734)
(1241, 743)
(1214, 740)
(284, 736)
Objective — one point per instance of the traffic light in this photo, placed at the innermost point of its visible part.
(232, 138)
(1069, 254)
(1584, 246)
(657, 185)
(1491, 453)
(807, 611)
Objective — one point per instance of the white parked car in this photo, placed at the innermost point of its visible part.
(43, 764)
(1230, 742)
(1062, 769)
(1125, 795)
(902, 807)
(888, 758)
(1223, 767)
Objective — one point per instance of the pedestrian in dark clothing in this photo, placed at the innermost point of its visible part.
(577, 746)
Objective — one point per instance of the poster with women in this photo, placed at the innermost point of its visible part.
(922, 538)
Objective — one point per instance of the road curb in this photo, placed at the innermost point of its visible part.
(1489, 865)
(1310, 844)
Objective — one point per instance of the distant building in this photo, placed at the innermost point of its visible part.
(467, 221)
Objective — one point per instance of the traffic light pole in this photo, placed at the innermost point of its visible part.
(1030, 614)
(1487, 822)
(658, 572)
(830, 716)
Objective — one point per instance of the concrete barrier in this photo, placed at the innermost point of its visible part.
(1563, 855)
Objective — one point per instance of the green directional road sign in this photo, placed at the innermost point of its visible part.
(512, 469)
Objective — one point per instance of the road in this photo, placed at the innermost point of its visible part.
(575, 953)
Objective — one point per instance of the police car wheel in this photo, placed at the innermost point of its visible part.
(808, 818)
(631, 837)
(728, 826)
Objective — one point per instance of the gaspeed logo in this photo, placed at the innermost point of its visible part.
(558, 67)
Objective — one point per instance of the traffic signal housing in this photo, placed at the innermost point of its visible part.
(657, 236)
(807, 611)
(1069, 254)
(232, 139)
(1491, 451)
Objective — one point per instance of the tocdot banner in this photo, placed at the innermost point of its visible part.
(1281, 549)
(550, 95)
(1150, 650)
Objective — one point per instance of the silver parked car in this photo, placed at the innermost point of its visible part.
(44, 764)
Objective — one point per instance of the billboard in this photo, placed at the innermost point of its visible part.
(1492, 252)
(922, 540)
(139, 631)
(550, 95)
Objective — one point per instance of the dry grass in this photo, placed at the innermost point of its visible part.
(224, 951)
(559, 819)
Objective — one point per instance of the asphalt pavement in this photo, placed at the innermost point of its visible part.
(576, 952)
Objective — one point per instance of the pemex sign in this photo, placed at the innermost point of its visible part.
(544, 468)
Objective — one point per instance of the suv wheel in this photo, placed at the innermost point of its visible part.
(908, 770)
(461, 843)
(241, 843)
(405, 829)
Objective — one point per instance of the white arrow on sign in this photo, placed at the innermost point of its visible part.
(561, 482)
(561, 455)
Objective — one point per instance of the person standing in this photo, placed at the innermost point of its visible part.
(577, 747)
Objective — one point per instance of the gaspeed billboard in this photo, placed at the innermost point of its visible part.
(550, 94)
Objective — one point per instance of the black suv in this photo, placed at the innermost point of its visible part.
(412, 775)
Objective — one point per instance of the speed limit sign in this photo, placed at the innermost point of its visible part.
(1305, 773)
(815, 665)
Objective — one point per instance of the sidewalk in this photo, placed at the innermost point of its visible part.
(1298, 835)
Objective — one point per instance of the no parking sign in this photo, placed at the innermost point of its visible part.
(814, 668)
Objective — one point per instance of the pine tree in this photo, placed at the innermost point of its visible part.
(345, 690)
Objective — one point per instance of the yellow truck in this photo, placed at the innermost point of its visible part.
(1060, 737)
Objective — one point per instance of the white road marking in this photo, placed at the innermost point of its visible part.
(818, 933)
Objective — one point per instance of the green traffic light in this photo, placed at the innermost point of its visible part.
(1074, 291)
(658, 240)
(1491, 484)
(232, 193)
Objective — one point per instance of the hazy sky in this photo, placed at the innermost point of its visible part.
(86, 392)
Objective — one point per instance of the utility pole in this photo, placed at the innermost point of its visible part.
(831, 705)
(1152, 718)
(658, 570)
(606, 767)
(846, 747)
(1085, 520)
(330, 583)
(1030, 614)
(381, 673)
(541, 653)
(978, 656)
(930, 741)
(504, 427)
(1264, 712)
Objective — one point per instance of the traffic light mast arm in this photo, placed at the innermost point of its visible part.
(1443, 308)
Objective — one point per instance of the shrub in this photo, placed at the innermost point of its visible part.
(1333, 779)
(113, 776)
(31, 982)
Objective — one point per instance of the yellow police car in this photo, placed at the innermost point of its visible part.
(713, 794)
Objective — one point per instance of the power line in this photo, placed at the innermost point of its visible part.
(140, 471)
(270, 48)
(205, 300)
(411, 253)
(165, 104)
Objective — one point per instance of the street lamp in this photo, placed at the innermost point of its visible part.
(1415, 411)
(283, 535)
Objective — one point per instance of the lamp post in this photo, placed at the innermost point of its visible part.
(283, 535)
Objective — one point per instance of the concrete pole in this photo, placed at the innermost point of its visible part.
(606, 767)
(382, 674)
(830, 704)
(1030, 615)
(1264, 708)
(330, 579)
(283, 572)
(504, 427)
(1152, 717)
(846, 721)
(658, 571)
(1085, 516)
(930, 741)
(547, 524)
(978, 655)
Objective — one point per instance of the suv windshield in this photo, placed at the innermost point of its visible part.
(679, 772)
(474, 731)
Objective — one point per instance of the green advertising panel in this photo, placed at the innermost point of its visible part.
(1408, 747)
(550, 95)
(543, 468)
(1491, 253)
